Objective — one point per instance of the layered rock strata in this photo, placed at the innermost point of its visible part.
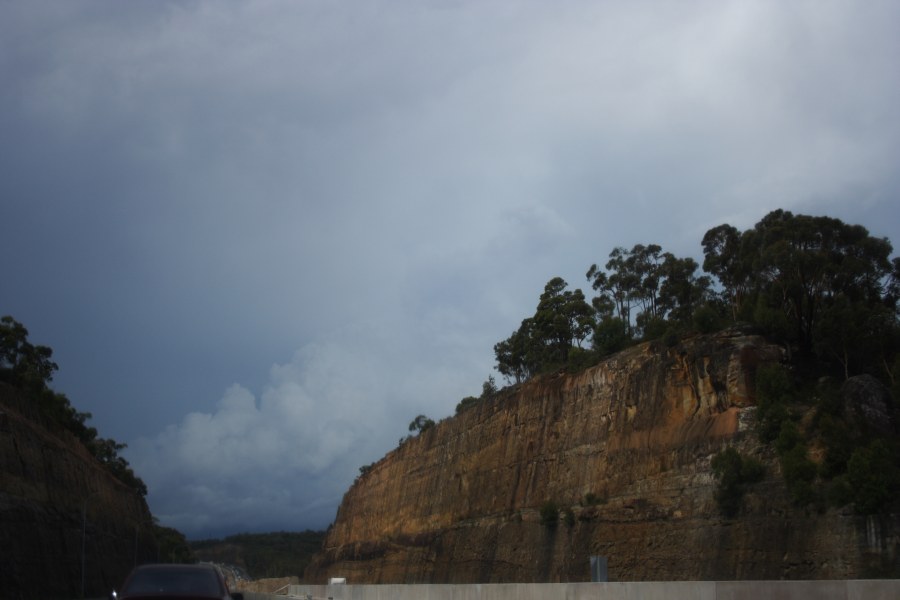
(624, 450)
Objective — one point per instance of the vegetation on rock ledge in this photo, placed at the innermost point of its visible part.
(826, 290)
(29, 368)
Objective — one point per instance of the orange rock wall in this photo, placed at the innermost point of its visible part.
(460, 503)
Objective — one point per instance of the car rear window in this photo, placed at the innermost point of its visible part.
(198, 582)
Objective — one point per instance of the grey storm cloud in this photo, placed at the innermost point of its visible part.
(262, 236)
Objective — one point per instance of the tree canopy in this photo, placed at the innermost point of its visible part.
(826, 289)
(23, 364)
(563, 320)
(28, 367)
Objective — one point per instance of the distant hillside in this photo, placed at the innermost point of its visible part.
(263, 555)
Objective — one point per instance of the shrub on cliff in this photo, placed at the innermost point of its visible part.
(467, 402)
(549, 513)
(421, 423)
(873, 476)
(799, 474)
(774, 394)
(734, 473)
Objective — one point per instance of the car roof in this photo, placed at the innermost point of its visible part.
(206, 566)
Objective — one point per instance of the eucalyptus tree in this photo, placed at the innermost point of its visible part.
(661, 286)
(515, 359)
(808, 263)
(826, 287)
(681, 292)
(725, 257)
(22, 363)
(616, 285)
(563, 320)
(420, 423)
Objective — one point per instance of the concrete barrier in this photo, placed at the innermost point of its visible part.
(876, 589)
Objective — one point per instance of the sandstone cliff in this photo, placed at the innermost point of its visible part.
(61, 510)
(634, 437)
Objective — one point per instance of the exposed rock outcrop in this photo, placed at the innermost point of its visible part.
(868, 404)
(624, 449)
(65, 521)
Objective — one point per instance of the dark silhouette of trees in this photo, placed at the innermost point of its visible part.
(30, 369)
(825, 288)
(23, 364)
(562, 321)
(662, 287)
(420, 423)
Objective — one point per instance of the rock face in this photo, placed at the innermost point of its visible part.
(867, 402)
(64, 520)
(624, 450)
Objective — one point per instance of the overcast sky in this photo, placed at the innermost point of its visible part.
(261, 237)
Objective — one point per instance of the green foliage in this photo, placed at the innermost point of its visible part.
(707, 319)
(421, 423)
(22, 364)
(172, 545)
(466, 403)
(838, 442)
(488, 389)
(839, 492)
(799, 473)
(774, 393)
(826, 290)
(854, 468)
(562, 321)
(611, 334)
(580, 359)
(874, 476)
(488, 392)
(515, 355)
(662, 287)
(853, 335)
(651, 327)
(568, 517)
(734, 473)
(29, 368)
(671, 336)
(549, 512)
(728, 259)
(279, 554)
(824, 286)
(788, 437)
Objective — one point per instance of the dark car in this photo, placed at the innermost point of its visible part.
(176, 582)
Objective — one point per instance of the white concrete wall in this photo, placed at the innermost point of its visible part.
(674, 590)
